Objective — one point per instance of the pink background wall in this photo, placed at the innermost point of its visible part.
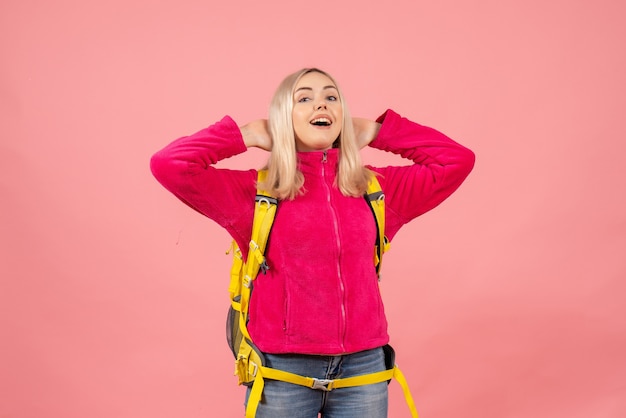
(506, 301)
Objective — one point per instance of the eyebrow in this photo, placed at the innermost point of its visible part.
(309, 88)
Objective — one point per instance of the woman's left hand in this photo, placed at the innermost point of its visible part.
(365, 131)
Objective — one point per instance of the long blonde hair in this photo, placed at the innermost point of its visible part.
(283, 177)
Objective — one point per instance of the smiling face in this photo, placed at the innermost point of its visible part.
(317, 112)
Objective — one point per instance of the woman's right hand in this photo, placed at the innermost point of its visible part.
(257, 134)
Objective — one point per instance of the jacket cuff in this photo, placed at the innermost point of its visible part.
(388, 120)
(231, 130)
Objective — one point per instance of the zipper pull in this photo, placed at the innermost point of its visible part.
(324, 159)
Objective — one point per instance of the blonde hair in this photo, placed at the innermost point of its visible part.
(283, 177)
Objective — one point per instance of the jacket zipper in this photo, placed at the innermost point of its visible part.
(338, 241)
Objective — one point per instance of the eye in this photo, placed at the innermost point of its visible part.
(332, 98)
(303, 99)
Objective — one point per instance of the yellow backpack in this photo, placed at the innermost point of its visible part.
(249, 361)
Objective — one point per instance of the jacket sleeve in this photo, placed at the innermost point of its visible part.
(439, 167)
(186, 168)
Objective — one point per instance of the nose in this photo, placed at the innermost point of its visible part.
(321, 105)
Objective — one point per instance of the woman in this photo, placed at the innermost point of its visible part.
(317, 311)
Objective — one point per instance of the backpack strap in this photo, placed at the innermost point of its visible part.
(326, 385)
(244, 273)
(376, 200)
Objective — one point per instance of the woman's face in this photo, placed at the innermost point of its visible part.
(317, 112)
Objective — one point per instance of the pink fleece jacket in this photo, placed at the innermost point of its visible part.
(321, 293)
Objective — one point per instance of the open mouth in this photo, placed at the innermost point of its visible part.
(321, 122)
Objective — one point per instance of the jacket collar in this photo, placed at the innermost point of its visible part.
(311, 161)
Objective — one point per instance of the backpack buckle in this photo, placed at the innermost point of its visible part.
(325, 385)
(247, 281)
(264, 267)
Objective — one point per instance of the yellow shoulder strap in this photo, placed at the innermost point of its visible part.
(264, 212)
(376, 200)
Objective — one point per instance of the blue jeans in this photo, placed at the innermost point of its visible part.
(287, 400)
